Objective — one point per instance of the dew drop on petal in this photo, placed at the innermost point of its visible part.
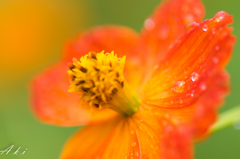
(192, 95)
(203, 87)
(205, 27)
(213, 30)
(194, 76)
(179, 86)
(163, 32)
(217, 48)
(192, 25)
(149, 24)
(134, 144)
(217, 19)
(220, 16)
(215, 60)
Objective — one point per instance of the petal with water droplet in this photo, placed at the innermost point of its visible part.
(194, 56)
(168, 22)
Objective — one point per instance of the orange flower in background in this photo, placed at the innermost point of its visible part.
(161, 93)
(31, 33)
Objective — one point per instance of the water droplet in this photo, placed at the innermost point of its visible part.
(194, 76)
(220, 16)
(192, 25)
(163, 32)
(134, 144)
(217, 48)
(179, 86)
(203, 87)
(213, 31)
(205, 27)
(149, 24)
(215, 60)
(192, 95)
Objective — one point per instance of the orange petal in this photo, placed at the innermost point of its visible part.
(145, 135)
(168, 23)
(191, 70)
(160, 135)
(201, 114)
(121, 40)
(190, 64)
(205, 112)
(50, 99)
(53, 104)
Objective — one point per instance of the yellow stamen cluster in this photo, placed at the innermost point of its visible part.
(97, 76)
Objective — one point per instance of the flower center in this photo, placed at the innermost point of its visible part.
(99, 78)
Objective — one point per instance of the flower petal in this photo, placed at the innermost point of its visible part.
(194, 59)
(53, 104)
(191, 69)
(161, 136)
(93, 141)
(121, 40)
(50, 99)
(205, 112)
(201, 114)
(168, 23)
(145, 135)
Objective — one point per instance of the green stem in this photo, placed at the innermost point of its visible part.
(226, 119)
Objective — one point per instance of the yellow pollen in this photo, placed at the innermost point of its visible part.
(97, 76)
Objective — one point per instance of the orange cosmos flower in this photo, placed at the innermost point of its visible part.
(168, 93)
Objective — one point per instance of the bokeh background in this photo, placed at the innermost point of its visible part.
(32, 36)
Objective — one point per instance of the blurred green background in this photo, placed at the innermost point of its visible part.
(32, 34)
